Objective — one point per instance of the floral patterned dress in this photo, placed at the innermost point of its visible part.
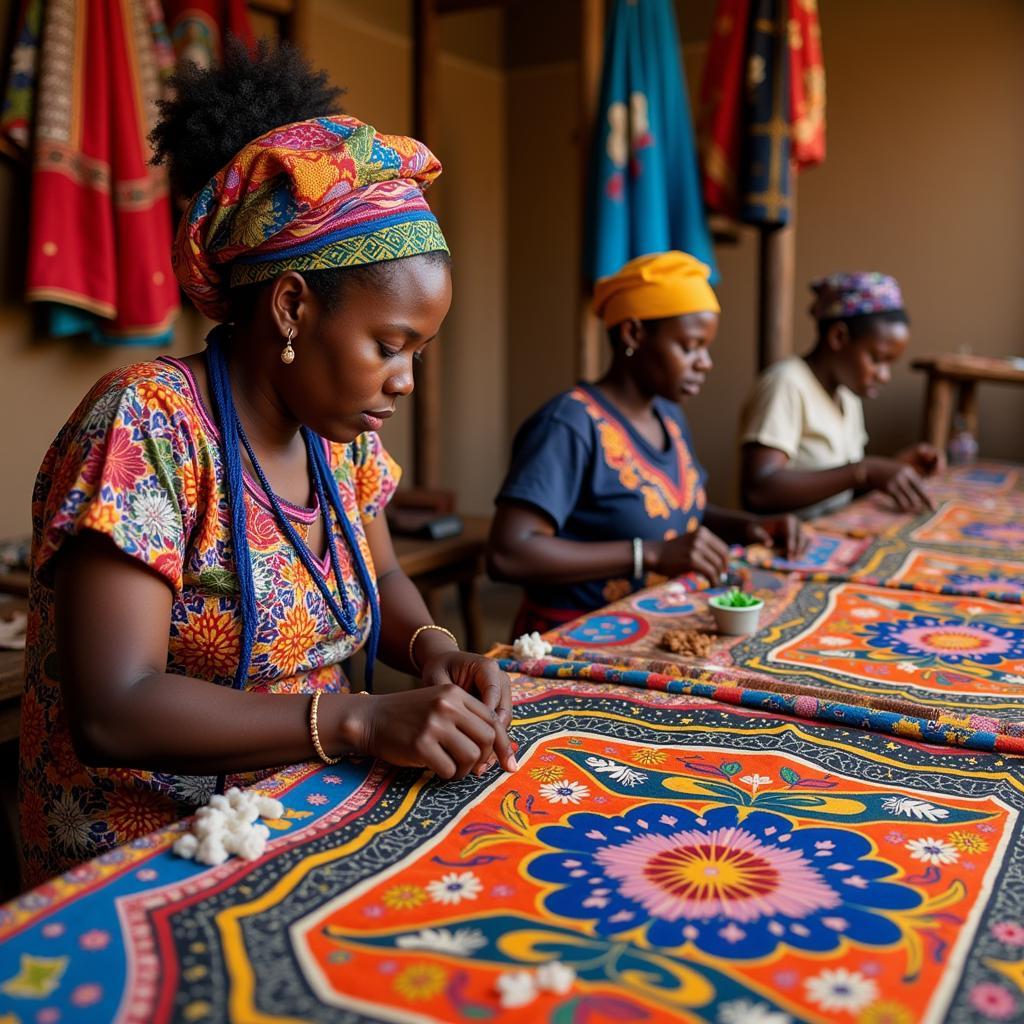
(140, 462)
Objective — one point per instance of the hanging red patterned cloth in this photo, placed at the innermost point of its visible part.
(732, 72)
(720, 116)
(806, 84)
(198, 27)
(85, 79)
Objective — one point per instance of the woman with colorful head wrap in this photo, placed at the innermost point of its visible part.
(208, 539)
(803, 430)
(605, 494)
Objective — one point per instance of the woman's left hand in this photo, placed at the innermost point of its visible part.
(481, 677)
(785, 532)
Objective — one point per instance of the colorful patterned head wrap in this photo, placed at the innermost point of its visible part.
(314, 195)
(656, 286)
(843, 295)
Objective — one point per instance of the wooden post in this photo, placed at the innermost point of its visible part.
(588, 355)
(425, 94)
(776, 283)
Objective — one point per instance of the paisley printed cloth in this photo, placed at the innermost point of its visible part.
(140, 462)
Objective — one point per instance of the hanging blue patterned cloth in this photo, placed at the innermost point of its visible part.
(644, 193)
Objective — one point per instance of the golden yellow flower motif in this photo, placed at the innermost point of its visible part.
(649, 756)
(886, 1013)
(421, 981)
(404, 897)
(547, 772)
(968, 842)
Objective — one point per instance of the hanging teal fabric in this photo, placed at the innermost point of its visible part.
(644, 191)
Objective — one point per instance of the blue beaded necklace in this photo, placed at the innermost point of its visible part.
(329, 497)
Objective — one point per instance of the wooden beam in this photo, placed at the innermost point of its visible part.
(776, 282)
(455, 6)
(299, 24)
(592, 26)
(425, 98)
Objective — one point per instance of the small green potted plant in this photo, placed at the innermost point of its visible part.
(735, 612)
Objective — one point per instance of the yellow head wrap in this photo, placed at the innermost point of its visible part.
(656, 286)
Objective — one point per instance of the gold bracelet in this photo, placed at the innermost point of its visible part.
(315, 733)
(430, 625)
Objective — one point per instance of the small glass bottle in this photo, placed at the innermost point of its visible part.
(963, 447)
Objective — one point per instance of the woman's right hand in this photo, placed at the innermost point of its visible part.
(900, 481)
(700, 551)
(442, 728)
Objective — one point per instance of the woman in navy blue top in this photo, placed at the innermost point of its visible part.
(604, 494)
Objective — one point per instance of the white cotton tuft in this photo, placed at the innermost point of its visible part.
(530, 646)
(186, 846)
(251, 847)
(269, 807)
(211, 851)
(209, 824)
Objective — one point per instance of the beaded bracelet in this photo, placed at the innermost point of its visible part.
(430, 625)
(315, 733)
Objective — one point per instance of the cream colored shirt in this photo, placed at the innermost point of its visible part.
(791, 411)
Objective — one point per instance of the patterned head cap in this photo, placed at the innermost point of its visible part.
(314, 195)
(853, 294)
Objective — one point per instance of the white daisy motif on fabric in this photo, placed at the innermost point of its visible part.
(836, 641)
(745, 1011)
(1013, 679)
(153, 514)
(564, 792)
(865, 613)
(841, 989)
(907, 666)
(455, 887)
(621, 773)
(461, 942)
(974, 609)
(755, 782)
(933, 851)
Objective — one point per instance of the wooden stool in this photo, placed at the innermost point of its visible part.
(953, 379)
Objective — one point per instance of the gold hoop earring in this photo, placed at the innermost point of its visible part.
(288, 353)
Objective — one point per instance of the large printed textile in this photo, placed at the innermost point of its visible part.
(81, 99)
(690, 861)
(644, 191)
(868, 620)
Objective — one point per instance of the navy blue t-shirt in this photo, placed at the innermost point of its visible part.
(581, 463)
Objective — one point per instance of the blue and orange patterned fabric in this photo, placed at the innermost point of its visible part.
(693, 860)
(314, 195)
(140, 462)
(584, 466)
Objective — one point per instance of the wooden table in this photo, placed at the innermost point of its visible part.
(956, 377)
(431, 564)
